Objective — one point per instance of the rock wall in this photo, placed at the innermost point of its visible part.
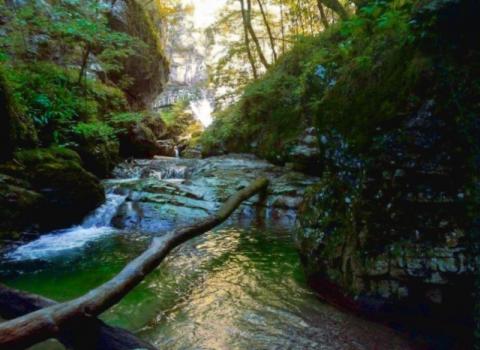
(148, 68)
(390, 231)
(391, 228)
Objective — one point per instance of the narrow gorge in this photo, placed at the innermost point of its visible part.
(125, 121)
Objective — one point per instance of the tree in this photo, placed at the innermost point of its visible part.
(247, 40)
(269, 31)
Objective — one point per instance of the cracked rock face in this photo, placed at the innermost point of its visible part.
(390, 227)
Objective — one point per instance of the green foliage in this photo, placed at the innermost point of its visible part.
(352, 77)
(79, 27)
(126, 117)
(51, 98)
(100, 131)
(172, 114)
(273, 110)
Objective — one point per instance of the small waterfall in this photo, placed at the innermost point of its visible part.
(177, 153)
(169, 171)
(103, 215)
(94, 227)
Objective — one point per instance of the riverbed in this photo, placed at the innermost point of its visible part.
(239, 286)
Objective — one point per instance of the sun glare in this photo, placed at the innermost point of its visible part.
(206, 11)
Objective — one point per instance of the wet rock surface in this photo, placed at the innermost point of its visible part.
(304, 154)
(389, 229)
(195, 188)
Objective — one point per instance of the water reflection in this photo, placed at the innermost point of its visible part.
(233, 288)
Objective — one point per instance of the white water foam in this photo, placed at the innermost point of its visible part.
(94, 227)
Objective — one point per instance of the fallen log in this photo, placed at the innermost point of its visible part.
(90, 333)
(48, 322)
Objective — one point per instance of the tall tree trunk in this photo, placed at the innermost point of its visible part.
(254, 36)
(323, 16)
(336, 7)
(282, 24)
(83, 65)
(247, 41)
(269, 31)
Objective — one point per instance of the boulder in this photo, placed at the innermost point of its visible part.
(46, 189)
(99, 157)
(167, 148)
(304, 153)
(139, 136)
(19, 206)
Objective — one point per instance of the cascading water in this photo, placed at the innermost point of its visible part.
(94, 227)
(177, 152)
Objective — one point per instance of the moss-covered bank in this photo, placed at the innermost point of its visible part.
(43, 189)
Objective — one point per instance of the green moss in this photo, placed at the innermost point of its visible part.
(16, 130)
(46, 155)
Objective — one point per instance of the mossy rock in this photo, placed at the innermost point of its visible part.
(100, 157)
(70, 191)
(19, 205)
(46, 189)
(138, 136)
(36, 156)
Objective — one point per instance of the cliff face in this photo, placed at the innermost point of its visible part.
(390, 233)
(390, 229)
(148, 68)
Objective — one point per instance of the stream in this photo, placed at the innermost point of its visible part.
(240, 286)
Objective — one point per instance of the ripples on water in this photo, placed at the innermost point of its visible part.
(233, 288)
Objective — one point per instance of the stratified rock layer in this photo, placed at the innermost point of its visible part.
(388, 233)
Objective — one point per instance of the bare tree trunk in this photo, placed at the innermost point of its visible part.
(269, 31)
(247, 41)
(48, 323)
(282, 24)
(254, 36)
(323, 16)
(83, 65)
(90, 333)
(336, 7)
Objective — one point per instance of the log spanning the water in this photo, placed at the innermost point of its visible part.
(48, 322)
(90, 333)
